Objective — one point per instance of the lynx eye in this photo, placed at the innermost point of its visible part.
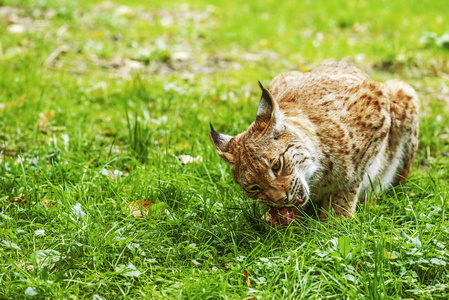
(253, 188)
(277, 166)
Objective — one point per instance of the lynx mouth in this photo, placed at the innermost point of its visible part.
(284, 215)
(295, 202)
(299, 201)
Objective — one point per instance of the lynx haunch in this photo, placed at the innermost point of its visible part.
(329, 136)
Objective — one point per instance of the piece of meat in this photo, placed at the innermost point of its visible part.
(281, 216)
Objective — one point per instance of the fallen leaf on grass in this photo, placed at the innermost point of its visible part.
(196, 263)
(113, 174)
(139, 208)
(127, 270)
(143, 208)
(46, 118)
(247, 282)
(133, 64)
(47, 257)
(21, 199)
(180, 55)
(124, 10)
(16, 103)
(56, 53)
(16, 28)
(31, 291)
(47, 203)
(187, 159)
(389, 255)
(9, 244)
(5, 216)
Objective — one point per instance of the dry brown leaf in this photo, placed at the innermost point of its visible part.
(139, 208)
(21, 199)
(56, 53)
(247, 281)
(15, 103)
(46, 118)
(47, 203)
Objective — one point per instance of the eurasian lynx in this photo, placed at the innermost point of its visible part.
(329, 136)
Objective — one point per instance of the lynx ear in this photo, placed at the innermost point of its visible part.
(220, 142)
(268, 111)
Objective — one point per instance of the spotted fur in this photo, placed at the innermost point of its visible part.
(335, 135)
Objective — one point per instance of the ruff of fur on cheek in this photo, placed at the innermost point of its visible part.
(300, 189)
(245, 167)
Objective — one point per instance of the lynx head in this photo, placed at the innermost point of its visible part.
(269, 161)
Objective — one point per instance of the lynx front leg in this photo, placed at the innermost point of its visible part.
(341, 203)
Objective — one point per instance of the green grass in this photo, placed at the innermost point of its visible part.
(89, 89)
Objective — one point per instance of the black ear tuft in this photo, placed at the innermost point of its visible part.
(214, 135)
(265, 94)
(219, 140)
(266, 105)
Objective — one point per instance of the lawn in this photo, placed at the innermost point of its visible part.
(100, 100)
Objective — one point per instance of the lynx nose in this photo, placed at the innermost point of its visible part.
(283, 200)
(276, 196)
